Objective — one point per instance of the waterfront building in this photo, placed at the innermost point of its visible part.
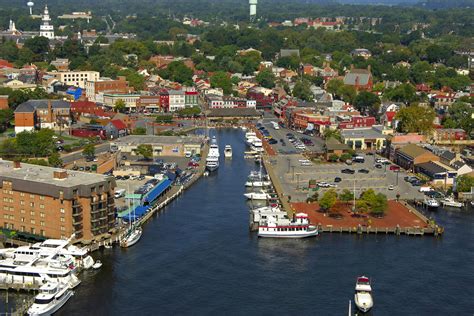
(365, 138)
(46, 28)
(411, 155)
(162, 145)
(130, 99)
(37, 114)
(55, 203)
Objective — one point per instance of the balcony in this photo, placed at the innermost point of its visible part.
(77, 212)
(97, 210)
(77, 228)
(77, 220)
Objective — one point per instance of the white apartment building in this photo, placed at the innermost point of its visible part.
(177, 100)
(75, 78)
(129, 99)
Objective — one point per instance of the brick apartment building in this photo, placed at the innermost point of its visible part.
(55, 203)
(37, 114)
(101, 86)
(3, 102)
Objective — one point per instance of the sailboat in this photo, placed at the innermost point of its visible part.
(257, 179)
(133, 233)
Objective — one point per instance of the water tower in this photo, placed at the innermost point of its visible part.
(30, 5)
(253, 10)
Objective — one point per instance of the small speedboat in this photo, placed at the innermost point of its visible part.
(363, 294)
(449, 201)
(262, 195)
(431, 203)
(228, 151)
(51, 298)
(97, 264)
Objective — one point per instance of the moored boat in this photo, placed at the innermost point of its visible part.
(228, 151)
(52, 296)
(363, 294)
(299, 227)
(432, 203)
(131, 237)
(262, 195)
(450, 202)
(212, 160)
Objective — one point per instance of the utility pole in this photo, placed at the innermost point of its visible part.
(298, 181)
(293, 170)
(289, 164)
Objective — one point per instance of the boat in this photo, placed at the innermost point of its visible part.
(257, 184)
(107, 246)
(250, 137)
(267, 213)
(299, 227)
(212, 160)
(97, 264)
(52, 296)
(262, 195)
(244, 128)
(449, 201)
(257, 145)
(133, 234)
(228, 151)
(363, 294)
(432, 203)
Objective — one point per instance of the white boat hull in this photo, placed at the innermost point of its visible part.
(132, 239)
(213, 167)
(257, 196)
(363, 301)
(36, 310)
(288, 234)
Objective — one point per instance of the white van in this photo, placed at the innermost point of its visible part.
(119, 193)
(425, 189)
(188, 154)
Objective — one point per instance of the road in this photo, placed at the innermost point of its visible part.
(71, 157)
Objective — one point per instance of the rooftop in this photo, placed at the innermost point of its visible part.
(31, 105)
(362, 133)
(45, 175)
(233, 112)
(413, 150)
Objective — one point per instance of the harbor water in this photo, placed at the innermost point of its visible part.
(197, 257)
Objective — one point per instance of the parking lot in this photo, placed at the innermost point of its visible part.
(295, 173)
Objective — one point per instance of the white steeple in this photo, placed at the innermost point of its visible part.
(46, 29)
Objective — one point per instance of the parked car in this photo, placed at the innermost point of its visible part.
(391, 187)
(394, 168)
(337, 179)
(378, 166)
(363, 171)
(273, 141)
(323, 184)
(348, 171)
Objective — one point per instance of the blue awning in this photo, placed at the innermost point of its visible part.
(157, 190)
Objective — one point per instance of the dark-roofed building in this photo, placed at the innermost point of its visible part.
(439, 173)
(37, 114)
(361, 79)
(448, 157)
(411, 155)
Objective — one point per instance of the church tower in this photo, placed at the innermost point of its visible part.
(46, 29)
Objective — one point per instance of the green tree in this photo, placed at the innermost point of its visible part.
(164, 118)
(332, 133)
(333, 158)
(334, 85)
(266, 79)
(328, 200)
(313, 198)
(302, 91)
(373, 202)
(39, 46)
(221, 80)
(5, 118)
(189, 112)
(345, 156)
(415, 119)
(347, 93)
(346, 196)
(55, 160)
(403, 93)
(464, 183)
(89, 150)
(139, 131)
(145, 150)
(367, 103)
(120, 106)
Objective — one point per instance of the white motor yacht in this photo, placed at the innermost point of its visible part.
(51, 298)
(299, 227)
(449, 201)
(262, 195)
(228, 151)
(363, 294)
(257, 183)
(212, 160)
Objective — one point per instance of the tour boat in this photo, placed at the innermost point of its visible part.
(228, 151)
(212, 160)
(257, 183)
(299, 227)
(268, 213)
(449, 201)
(363, 294)
(52, 296)
(431, 203)
(262, 195)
